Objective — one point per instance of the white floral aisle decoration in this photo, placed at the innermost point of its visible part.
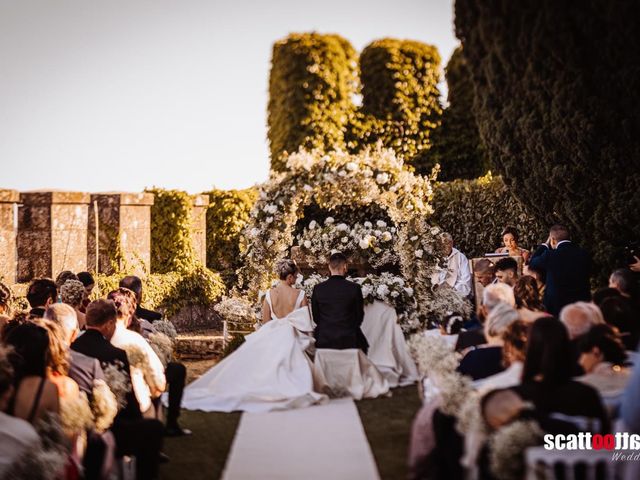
(507, 447)
(375, 177)
(118, 381)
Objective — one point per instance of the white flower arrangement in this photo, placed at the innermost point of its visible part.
(75, 414)
(507, 447)
(433, 355)
(104, 405)
(118, 381)
(236, 310)
(162, 345)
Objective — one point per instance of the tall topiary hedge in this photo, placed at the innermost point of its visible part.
(476, 211)
(456, 143)
(400, 97)
(557, 87)
(227, 215)
(171, 247)
(311, 85)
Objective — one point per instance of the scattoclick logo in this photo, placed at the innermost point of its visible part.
(587, 441)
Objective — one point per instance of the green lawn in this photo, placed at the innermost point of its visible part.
(387, 423)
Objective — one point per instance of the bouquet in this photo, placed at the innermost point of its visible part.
(118, 381)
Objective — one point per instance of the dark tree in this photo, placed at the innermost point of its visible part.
(456, 143)
(557, 89)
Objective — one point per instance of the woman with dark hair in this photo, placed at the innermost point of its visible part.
(602, 356)
(620, 314)
(528, 300)
(510, 242)
(546, 376)
(34, 393)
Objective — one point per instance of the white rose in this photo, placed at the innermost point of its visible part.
(307, 244)
(382, 290)
(329, 221)
(419, 253)
(386, 236)
(313, 224)
(364, 244)
(414, 238)
(368, 224)
(381, 223)
(307, 188)
(268, 219)
(435, 230)
(367, 290)
(342, 227)
(342, 173)
(394, 294)
(409, 291)
(351, 166)
(377, 233)
(393, 229)
(382, 178)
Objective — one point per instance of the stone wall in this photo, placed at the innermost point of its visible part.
(52, 233)
(124, 232)
(8, 231)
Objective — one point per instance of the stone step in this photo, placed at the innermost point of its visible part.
(199, 345)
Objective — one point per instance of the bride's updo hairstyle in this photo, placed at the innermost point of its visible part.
(286, 267)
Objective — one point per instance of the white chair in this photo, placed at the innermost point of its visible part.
(543, 464)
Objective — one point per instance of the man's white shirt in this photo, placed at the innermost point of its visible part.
(143, 381)
(457, 275)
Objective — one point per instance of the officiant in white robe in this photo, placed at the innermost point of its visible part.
(458, 272)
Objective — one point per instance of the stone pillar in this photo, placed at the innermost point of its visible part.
(199, 226)
(8, 230)
(124, 232)
(52, 233)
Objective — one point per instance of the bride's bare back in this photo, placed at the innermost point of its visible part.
(283, 300)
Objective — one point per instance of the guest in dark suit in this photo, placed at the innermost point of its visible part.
(175, 373)
(134, 435)
(338, 309)
(567, 268)
(42, 292)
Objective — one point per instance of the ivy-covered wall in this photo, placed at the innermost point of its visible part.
(227, 215)
(476, 211)
(171, 246)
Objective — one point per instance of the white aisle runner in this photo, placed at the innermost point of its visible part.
(320, 442)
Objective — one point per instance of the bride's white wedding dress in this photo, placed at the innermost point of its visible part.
(270, 371)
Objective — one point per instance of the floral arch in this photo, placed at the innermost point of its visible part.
(374, 177)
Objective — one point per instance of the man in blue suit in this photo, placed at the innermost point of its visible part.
(567, 268)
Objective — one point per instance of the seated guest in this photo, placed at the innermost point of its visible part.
(507, 271)
(546, 376)
(149, 382)
(602, 294)
(82, 368)
(175, 373)
(514, 345)
(493, 295)
(538, 274)
(134, 435)
(486, 360)
(510, 242)
(34, 394)
(134, 284)
(89, 283)
(528, 302)
(484, 275)
(602, 359)
(457, 275)
(626, 283)
(579, 317)
(566, 267)
(72, 293)
(618, 312)
(5, 304)
(41, 293)
(17, 436)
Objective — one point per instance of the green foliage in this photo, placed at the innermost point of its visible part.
(311, 84)
(557, 86)
(170, 292)
(227, 216)
(457, 146)
(476, 211)
(400, 104)
(171, 247)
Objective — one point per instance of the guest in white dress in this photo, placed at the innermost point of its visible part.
(271, 370)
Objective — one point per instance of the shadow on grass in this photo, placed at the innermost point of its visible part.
(387, 423)
(202, 455)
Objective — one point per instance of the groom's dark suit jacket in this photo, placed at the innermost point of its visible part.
(338, 310)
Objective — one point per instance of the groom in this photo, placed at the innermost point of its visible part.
(338, 309)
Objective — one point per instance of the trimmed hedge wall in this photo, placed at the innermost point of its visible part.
(456, 143)
(400, 97)
(171, 247)
(476, 211)
(227, 215)
(311, 85)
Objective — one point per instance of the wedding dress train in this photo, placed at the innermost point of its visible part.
(270, 371)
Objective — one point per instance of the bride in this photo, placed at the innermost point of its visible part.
(271, 370)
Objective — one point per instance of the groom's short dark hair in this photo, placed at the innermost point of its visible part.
(336, 260)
